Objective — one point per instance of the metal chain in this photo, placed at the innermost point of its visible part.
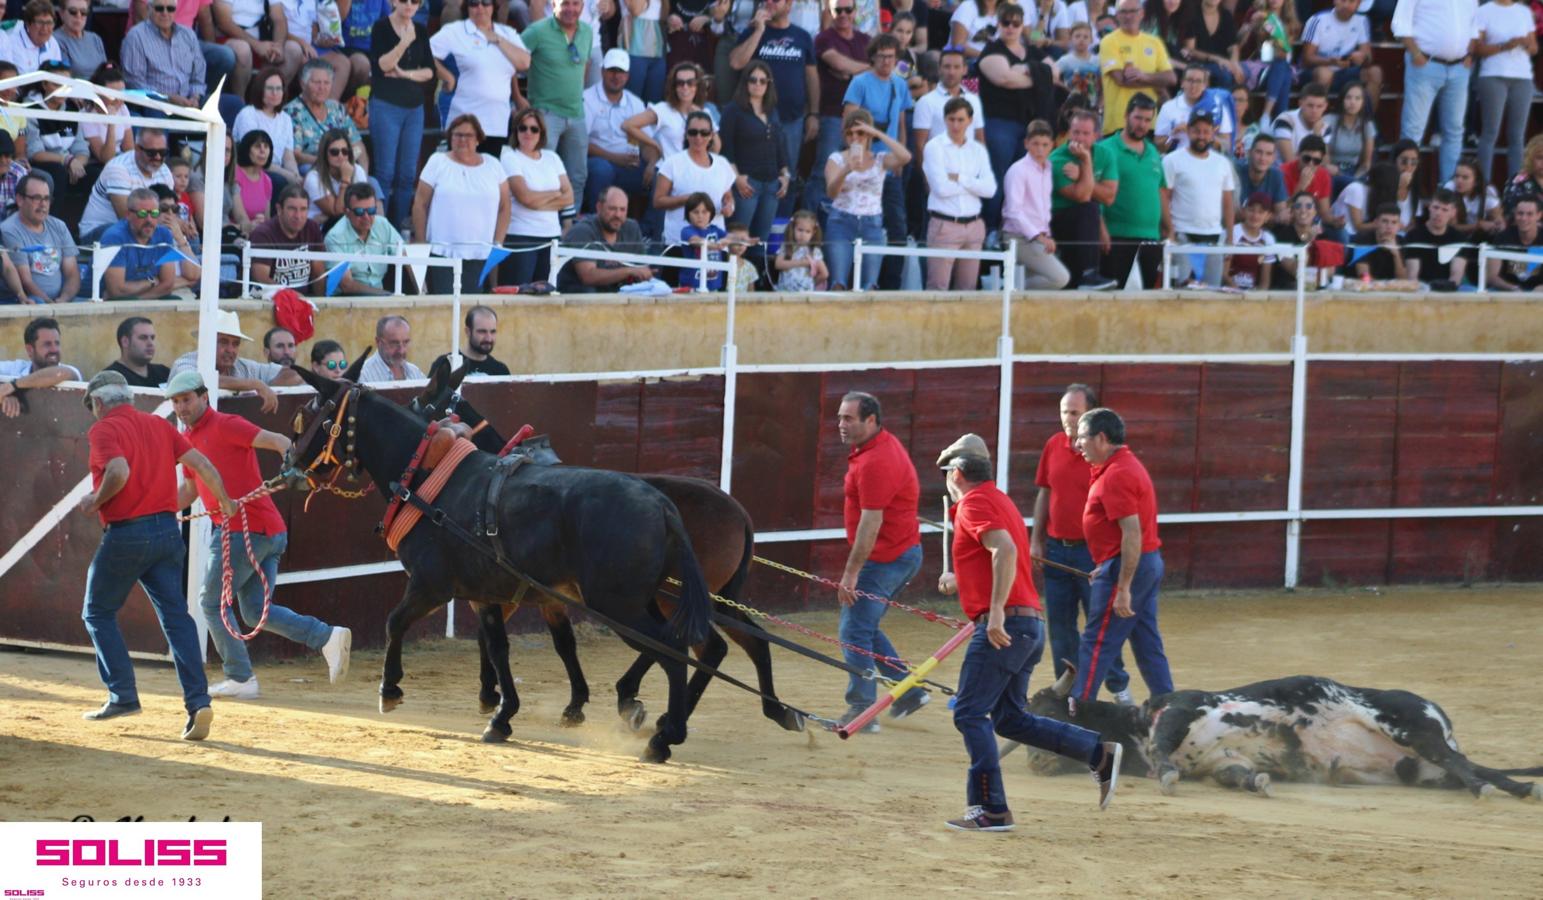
(927, 614)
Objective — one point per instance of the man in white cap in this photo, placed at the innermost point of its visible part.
(613, 158)
(237, 374)
(231, 443)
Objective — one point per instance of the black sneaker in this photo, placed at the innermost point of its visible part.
(111, 710)
(197, 727)
(977, 819)
(1093, 280)
(909, 702)
(1108, 772)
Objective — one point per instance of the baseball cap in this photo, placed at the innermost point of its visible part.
(616, 58)
(1259, 198)
(101, 380)
(182, 382)
(1202, 115)
(968, 445)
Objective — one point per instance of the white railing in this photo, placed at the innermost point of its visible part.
(1487, 253)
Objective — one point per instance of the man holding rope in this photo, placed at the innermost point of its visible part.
(231, 443)
(995, 583)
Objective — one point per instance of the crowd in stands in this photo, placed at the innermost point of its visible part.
(778, 132)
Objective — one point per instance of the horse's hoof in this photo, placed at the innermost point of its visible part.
(1484, 792)
(1168, 782)
(496, 734)
(636, 717)
(572, 717)
(487, 704)
(1261, 785)
(656, 752)
(1534, 792)
(387, 704)
(792, 720)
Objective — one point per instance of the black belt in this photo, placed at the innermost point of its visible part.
(1448, 62)
(1011, 612)
(1068, 543)
(957, 220)
(144, 518)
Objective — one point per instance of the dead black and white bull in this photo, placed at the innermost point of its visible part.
(1302, 728)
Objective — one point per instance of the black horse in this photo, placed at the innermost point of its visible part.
(722, 535)
(605, 539)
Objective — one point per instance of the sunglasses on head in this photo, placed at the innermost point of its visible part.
(699, 132)
(362, 210)
(337, 364)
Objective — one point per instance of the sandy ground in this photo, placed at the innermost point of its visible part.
(356, 804)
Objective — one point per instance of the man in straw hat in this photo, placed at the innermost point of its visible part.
(236, 373)
(134, 458)
(995, 583)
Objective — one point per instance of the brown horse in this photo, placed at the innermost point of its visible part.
(723, 536)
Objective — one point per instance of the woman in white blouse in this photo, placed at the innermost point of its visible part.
(973, 26)
(660, 130)
(854, 180)
(488, 57)
(265, 112)
(696, 169)
(1508, 40)
(461, 205)
(538, 190)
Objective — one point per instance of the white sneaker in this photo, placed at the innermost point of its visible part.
(1124, 698)
(236, 690)
(336, 652)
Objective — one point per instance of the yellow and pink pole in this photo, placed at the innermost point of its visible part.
(906, 683)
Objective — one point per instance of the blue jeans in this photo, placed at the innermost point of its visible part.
(860, 623)
(793, 143)
(1066, 595)
(525, 264)
(248, 589)
(570, 138)
(147, 550)
(219, 62)
(1004, 145)
(828, 141)
(646, 78)
(891, 267)
(1430, 85)
(601, 175)
(1106, 632)
(992, 700)
(840, 230)
(758, 209)
(397, 134)
(1276, 83)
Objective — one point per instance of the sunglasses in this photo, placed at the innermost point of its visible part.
(1304, 205)
(475, 3)
(164, 9)
(362, 210)
(573, 53)
(37, 198)
(1312, 160)
(683, 82)
(844, 10)
(756, 80)
(529, 129)
(340, 151)
(699, 132)
(145, 213)
(75, 12)
(336, 364)
(1015, 24)
(154, 153)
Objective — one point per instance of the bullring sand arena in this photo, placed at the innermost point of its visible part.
(414, 805)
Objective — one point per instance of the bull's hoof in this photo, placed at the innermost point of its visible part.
(487, 704)
(657, 751)
(792, 720)
(572, 716)
(496, 733)
(1484, 792)
(1261, 785)
(1168, 782)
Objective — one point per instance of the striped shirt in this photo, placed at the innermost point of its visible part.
(172, 67)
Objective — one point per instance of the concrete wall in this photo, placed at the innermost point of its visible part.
(588, 334)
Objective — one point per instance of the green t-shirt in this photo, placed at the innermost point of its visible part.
(1103, 170)
(556, 78)
(1137, 211)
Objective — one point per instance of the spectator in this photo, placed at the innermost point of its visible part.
(1350, 136)
(1195, 93)
(642, 35)
(1352, 210)
(1506, 42)
(13, 126)
(608, 229)
(1304, 229)
(787, 50)
(40, 245)
(854, 179)
(1078, 69)
(927, 119)
(1521, 237)
(1199, 192)
(462, 203)
(356, 29)
(596, 14)
(1438, 38)
(972, 26)
(190, 201)
(393, 338)
(1085, 175)
(145, 166)
(959, 177)
(314, 113)
(1026, 195)
(41, 368)
(1083, 12)
(136, 354)
(613, 157)
(1411, 183)
(328, 359)
(82, 49)
(697, 169)
(1337, 49)
(182, 235)
(334, 172)
(315, 38)
(477, 350)
(32, 41)
(842, 49)
(1386, 262)
(237, 373)
(141, 268)
(11, 171)
(279, 346)
(58, 148)
(883, 92)
(701, 231)
(1260, 175)
(220, 62)
(1133, 62)
(161, 55)
(109, 140)
(254, 186)
(265, 112)
(539, 190)
(1529, 181)
(753, 143)
(1245, 272)
(557, 89)
(1138, 217)
(363, 231)
(1423, 258)
(1209, 36)
(1006, 82)
(1162, 21)
(400, 68)
(290, 229)
(1307, 172)
(1039, 18)
(1309, 117)
(801, 262)
(736, 20)
(1268, 36)
(666, 119)
(1478, 210)
(488, 57)
(243, 24)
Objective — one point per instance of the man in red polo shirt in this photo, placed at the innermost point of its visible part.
(1062, 478)
(1120, 523)
(134, 458)
(880, 515)
(995, 582)
(231, 444)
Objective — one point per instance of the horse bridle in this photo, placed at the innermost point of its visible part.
(339, 419)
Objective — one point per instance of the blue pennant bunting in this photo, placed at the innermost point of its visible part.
(170, 256)
(335, 278)
(1533, 267)
(1359, 251)
(496, 255)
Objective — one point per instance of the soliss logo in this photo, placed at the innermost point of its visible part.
(165, 852)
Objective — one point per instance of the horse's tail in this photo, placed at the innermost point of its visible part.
(693, 614)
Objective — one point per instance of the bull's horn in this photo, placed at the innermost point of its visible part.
(1063, 685)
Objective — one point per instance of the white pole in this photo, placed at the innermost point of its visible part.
(1301, 289)
(945, 534)
(857, 264)
(1483, 267)
(730, 362)
(455, 310)
(1298, 439)
(1167, 264)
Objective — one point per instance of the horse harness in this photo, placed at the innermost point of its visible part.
(333, 415)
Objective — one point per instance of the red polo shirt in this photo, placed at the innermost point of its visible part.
(985, 508)
(1322, 186)
(1063, 470)
(227, 441)
(880, 476)
(1121, 487)
(151, 446)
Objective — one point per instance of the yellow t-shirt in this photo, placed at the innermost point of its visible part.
(1116, 49)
